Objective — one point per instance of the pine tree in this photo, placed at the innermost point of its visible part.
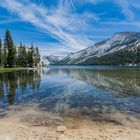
(24, 57)
(37, 56)
(20, 55)
(31, 55)
(0, 52)
(15, 55)
(5, 56)
(11, 49)
(11, 55)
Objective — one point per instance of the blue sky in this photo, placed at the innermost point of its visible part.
(59, 27)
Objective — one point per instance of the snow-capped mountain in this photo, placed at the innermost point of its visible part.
(51, 59)
(119, 41)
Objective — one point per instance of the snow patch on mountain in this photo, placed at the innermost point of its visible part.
(117, 42)
(51, 59)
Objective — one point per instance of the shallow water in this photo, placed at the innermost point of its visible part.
(74, 91)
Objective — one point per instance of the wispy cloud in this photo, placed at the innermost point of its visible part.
(126, 9)
(61, 23)
(125, 5)
(93, 1)
(9, 21)
(54, 49)
(73, 28)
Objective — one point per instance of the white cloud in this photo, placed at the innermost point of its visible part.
(124, 4)
(61, 23)
(73, 30)
(54, 49)
(126, 9)
(4, 21)
(92, 1)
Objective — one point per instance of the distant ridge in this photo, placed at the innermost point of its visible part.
(51, 59)
(123, 48)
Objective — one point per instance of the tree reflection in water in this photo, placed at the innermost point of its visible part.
(11, 82)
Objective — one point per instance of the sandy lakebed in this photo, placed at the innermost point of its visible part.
(29, 123)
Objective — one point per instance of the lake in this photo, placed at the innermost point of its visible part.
(74, 87)
(92, 93)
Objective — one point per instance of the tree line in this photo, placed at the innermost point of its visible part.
(121, 57)
(12, 55)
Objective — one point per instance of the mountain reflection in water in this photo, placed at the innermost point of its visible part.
(72, 92)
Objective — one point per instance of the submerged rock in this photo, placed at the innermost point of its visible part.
(61, 129)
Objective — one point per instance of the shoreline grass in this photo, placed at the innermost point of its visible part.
(3, 70)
